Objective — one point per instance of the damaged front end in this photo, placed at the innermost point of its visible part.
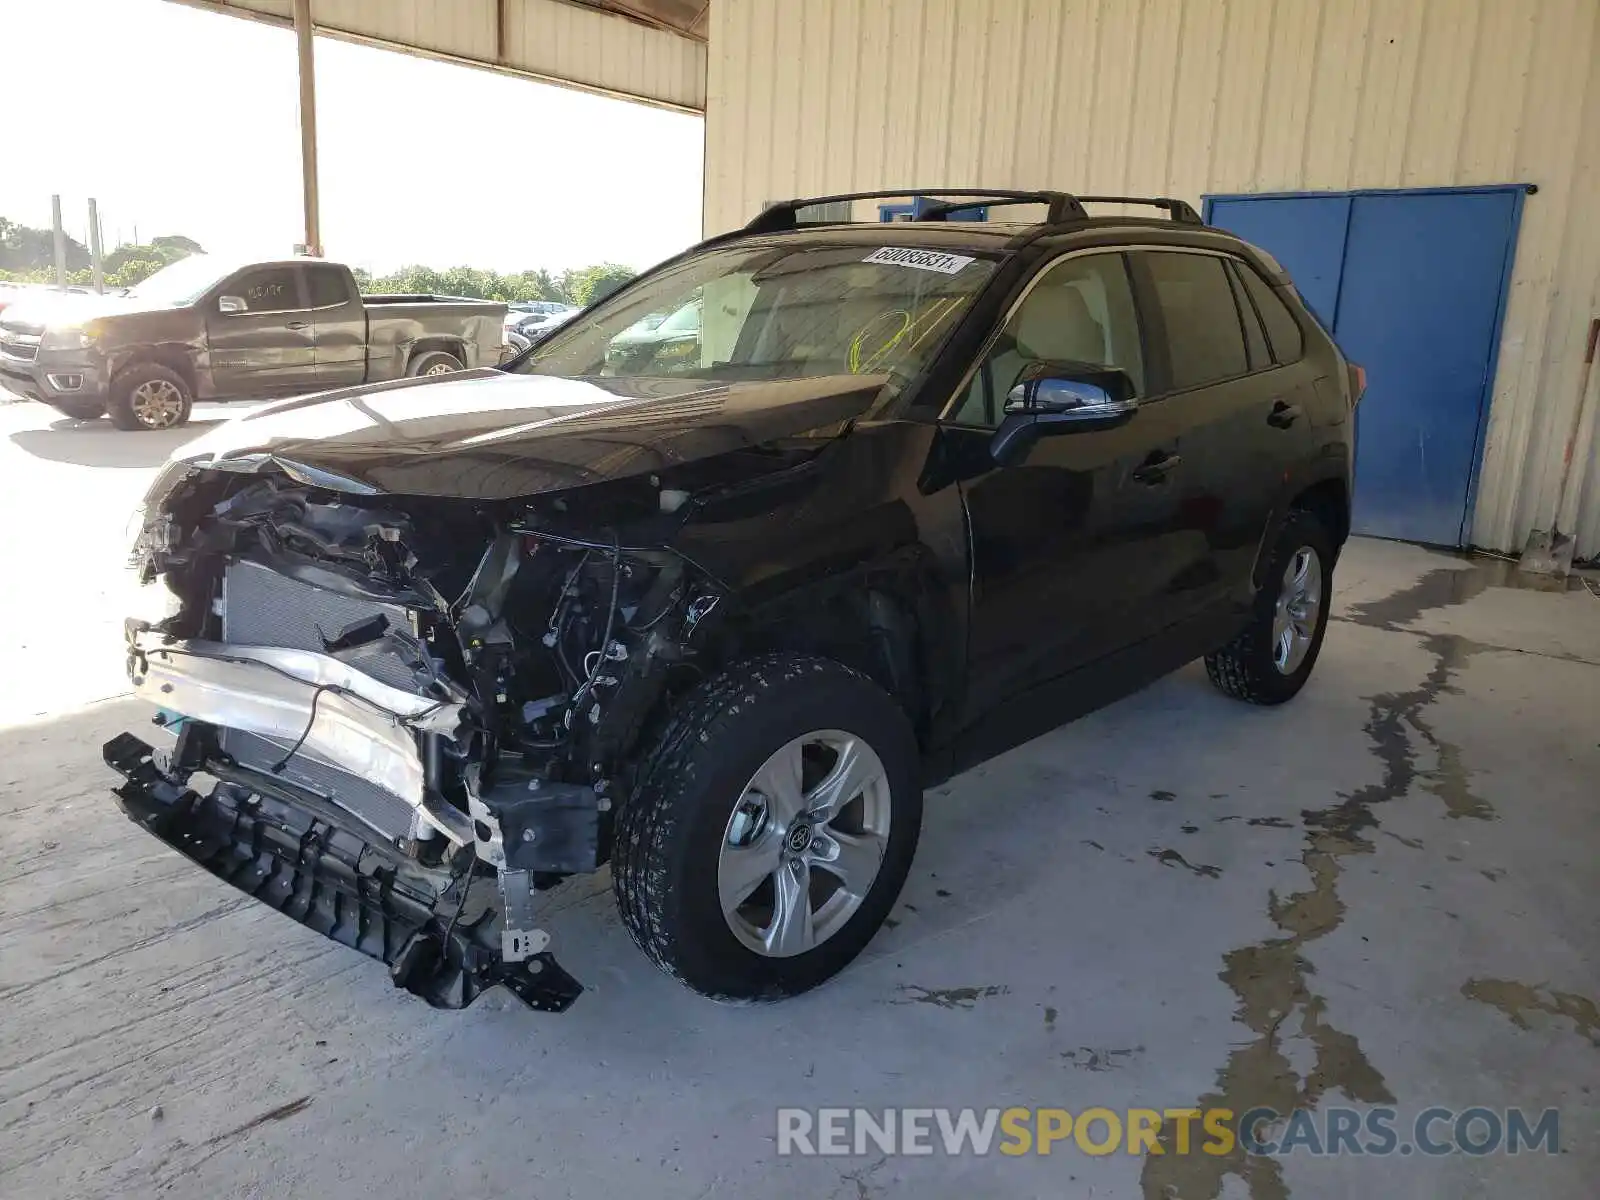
(399, 719)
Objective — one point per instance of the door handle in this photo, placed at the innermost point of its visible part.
(1156, 467)
(299, 325)
(1283, 415)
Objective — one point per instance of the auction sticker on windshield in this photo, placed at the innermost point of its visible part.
(922, 260)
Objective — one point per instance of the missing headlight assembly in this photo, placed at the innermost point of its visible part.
(399, 720)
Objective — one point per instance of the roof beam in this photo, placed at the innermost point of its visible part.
(625, 49)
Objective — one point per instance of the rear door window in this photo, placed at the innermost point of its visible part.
(1204, 339)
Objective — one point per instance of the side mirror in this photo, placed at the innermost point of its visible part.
(1062, 398)
(232, 304)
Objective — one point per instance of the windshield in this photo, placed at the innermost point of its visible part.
(775, 312)
(182, 282)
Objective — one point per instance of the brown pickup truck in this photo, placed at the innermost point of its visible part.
(206, 328)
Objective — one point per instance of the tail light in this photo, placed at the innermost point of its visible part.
(1358, 384)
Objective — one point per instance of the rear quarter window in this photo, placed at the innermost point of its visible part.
(1283, 331)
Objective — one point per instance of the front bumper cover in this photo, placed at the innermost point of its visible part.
(276, 847)
(31, 378)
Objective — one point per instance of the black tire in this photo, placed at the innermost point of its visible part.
(670, 832)
(80, 410)
(121, 407)
(1245, 668)
(430, 362)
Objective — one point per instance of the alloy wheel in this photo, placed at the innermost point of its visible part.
(157, 403)
(1294, 621)
(804, 844)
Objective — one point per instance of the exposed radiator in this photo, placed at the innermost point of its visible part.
(264, 608)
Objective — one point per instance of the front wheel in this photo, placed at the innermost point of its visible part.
(149, 396)
(772, 830)
(1272, 659)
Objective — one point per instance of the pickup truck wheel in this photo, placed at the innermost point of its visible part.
(1272, 659)
(772, 829)
(435, 362)
(149, 396)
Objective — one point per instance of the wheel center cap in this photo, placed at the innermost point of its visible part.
(799, 839)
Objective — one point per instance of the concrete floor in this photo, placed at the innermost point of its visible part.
(1382, 893)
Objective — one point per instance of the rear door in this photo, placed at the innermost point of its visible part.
(1068, 545)
(1240, 422)
(339, 325)
(269, 347)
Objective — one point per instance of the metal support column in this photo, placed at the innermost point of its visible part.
(308, 126)
(96, 263)
(61, 242)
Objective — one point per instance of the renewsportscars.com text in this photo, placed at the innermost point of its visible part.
(961, 1132)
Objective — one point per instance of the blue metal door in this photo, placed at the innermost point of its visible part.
(1304, 233)
(1412, 284)
(1419, 308)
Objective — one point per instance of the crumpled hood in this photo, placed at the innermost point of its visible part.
(490, 435)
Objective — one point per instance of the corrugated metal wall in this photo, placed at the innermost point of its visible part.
(546, 39)
(1185, 97)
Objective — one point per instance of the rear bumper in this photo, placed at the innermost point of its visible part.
(437, 930)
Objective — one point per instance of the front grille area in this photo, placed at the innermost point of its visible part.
(264, 608)
(25, 351)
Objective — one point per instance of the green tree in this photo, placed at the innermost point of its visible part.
(598, 282)
(132, 271)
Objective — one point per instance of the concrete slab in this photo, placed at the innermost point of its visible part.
(1382, 893)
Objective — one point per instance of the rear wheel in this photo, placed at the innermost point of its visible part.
(1272, 659)
(772, 830)
(149, 396)
(435, 362)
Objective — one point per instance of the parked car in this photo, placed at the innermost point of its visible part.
(663, 345)
(925, 492)
(537, 325)
(206, 328)
(515, 344)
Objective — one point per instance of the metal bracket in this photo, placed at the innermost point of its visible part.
(519, 940)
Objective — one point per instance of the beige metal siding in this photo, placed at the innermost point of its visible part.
(545, 39)
(1186, 97)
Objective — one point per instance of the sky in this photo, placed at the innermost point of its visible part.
(183, 121)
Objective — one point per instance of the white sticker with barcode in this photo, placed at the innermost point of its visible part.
(922, 260)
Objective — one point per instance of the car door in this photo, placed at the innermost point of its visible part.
(260, 334)
(1067, 544)
(339, 325)
(1239, 417)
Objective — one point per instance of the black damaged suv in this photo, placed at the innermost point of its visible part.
(716, 614)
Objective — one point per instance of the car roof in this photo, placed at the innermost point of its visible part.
(1003, 237)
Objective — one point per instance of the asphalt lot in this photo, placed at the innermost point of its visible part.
(1383, 893)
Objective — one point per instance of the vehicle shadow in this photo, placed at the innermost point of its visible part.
(100, 444)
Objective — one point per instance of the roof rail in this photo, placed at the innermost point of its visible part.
(1062, 205)
(1178, 210)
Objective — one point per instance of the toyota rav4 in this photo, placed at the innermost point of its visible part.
(716, 613)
